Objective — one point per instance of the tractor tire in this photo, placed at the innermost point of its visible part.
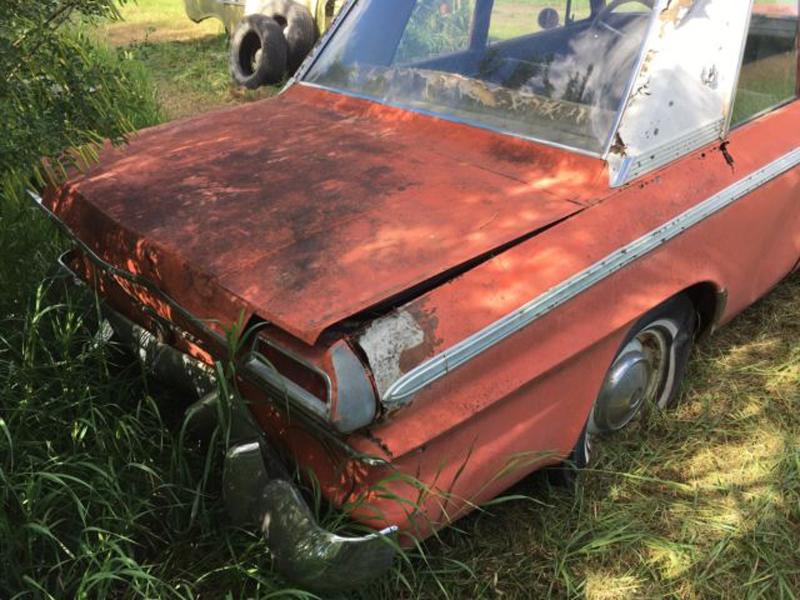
(298, 26)
(258, 52)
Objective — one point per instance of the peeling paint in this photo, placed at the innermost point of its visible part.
(619, 146)
(684, 88)
(676, 11)
(385, 341)
(411, 357)
(399, 342)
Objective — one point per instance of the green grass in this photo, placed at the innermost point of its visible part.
(763, 84)
(188, 61)
(701, 503)
(101, 497)
(513, 18)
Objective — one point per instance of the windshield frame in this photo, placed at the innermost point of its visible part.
(345, 13)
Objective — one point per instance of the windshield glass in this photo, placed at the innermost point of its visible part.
(556, 72)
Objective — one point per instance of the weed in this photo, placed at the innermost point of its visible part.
(101, 494)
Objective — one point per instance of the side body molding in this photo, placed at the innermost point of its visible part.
(403, 390)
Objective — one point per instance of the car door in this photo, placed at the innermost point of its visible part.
(763, 130)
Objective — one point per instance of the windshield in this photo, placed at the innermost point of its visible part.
(544, 70)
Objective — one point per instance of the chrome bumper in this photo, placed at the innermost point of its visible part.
(257, 487)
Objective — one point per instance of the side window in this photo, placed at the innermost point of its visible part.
(769, 71)
(516, 18)
(436, 27)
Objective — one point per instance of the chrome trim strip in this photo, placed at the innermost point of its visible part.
(654, 22)
(299, 360)
(401, 392)
(262, 374)
(632, 167)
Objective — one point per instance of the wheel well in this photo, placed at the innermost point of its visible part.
(709, 301)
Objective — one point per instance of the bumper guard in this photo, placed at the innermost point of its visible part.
(257, 487)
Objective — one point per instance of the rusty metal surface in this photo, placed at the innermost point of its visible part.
(287, 229)
(253, 210)
(544, 380)
(523, 404)
(745, 249)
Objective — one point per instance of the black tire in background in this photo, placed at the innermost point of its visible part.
(298, 26)
(258, 52)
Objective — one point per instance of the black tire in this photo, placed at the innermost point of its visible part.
(258, 52)
(680, 313)
(565, 475)
(298, 26)
(681, 310)
(662, 340)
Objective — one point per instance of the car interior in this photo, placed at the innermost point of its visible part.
(524, 62)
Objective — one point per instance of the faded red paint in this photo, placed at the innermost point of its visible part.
(527, 399)
(294, 224)
(223, 220)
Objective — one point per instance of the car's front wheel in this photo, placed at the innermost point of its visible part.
(649, 367)
(648, 370)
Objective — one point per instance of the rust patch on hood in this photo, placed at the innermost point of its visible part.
(313, 207)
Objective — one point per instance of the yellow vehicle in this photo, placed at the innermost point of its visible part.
(269, 38)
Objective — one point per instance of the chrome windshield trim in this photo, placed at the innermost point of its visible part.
(640, 62)
(403, 390)
(299, 78)
(452, 119)
(320, 46)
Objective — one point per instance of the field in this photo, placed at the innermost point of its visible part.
(187, 61)
(703, 502)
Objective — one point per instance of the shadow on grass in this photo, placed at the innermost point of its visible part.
(191, 76)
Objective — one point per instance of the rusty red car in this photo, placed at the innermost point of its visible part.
(467, 239)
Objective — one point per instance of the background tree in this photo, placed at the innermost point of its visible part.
(58, 90)
(60, 95)
(75, 509)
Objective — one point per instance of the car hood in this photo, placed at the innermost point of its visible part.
(314, 206)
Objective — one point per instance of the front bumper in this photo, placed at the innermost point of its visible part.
(257, 487)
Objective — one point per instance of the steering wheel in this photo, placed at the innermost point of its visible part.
(600, 19)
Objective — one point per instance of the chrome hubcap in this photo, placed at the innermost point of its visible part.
(638, 376)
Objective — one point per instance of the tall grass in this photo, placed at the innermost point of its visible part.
(101, 496)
